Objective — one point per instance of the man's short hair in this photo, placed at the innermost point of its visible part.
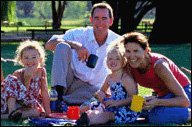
(102, 5)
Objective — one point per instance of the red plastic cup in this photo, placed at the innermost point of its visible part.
(73, 112)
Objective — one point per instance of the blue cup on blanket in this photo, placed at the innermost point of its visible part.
(92, 60)
(53, 100)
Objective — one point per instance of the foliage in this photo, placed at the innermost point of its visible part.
(42, 9)
(25, 9)
(77, 9)
(8, 11)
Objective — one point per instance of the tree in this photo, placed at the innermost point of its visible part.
(171, 23)
(25, 8)
(8, 10)
(57, 14)
(130, 12)
(75, 9)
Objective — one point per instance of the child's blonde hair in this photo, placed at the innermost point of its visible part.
(30, 45)
(119, 48)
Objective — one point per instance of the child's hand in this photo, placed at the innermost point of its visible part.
(100, 96)
(110, 103)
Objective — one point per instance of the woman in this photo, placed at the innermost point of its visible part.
(153, 70)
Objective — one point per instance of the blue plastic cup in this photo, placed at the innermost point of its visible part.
(92, 60)
(53, 105)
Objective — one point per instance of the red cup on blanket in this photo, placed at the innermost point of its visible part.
(73, 112)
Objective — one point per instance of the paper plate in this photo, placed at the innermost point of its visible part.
(57, 115)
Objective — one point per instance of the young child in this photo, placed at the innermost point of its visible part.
(122, 87)
(26, 87)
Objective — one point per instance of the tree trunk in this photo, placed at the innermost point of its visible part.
(54, 15)
(115, 6)
(171, 23)
(57, 15)
(127, 11)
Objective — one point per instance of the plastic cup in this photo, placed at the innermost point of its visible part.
(92, 60)
(53, 104)
(73, 112)
(137, 103)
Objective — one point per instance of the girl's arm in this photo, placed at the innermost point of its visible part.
(163, 71)
(131, 88)
(103, 90)
(45, 94)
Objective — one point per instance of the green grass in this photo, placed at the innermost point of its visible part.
(179, 53)
(24, 28)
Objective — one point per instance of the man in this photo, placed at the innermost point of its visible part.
(73, 80)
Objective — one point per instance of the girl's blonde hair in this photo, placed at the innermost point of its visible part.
(119, 48)
(30, 45)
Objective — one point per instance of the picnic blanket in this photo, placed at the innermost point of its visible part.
(51, 121)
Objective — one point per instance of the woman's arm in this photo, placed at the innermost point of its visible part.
(45, 94)
(186, 70)
(163, 71)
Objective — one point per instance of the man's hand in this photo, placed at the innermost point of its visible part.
(83, 53)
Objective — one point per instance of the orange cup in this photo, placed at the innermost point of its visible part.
(73, 112)
(137, 103)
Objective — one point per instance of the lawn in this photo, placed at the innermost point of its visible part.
(179, 53)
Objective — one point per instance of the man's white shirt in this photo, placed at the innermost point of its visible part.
(95, 76)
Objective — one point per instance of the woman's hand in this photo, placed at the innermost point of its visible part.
(150, 102)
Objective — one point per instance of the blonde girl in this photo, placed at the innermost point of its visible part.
(122, 87)
(27, 86)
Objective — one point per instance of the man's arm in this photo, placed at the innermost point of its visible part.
(51, 44)
(80, 49)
